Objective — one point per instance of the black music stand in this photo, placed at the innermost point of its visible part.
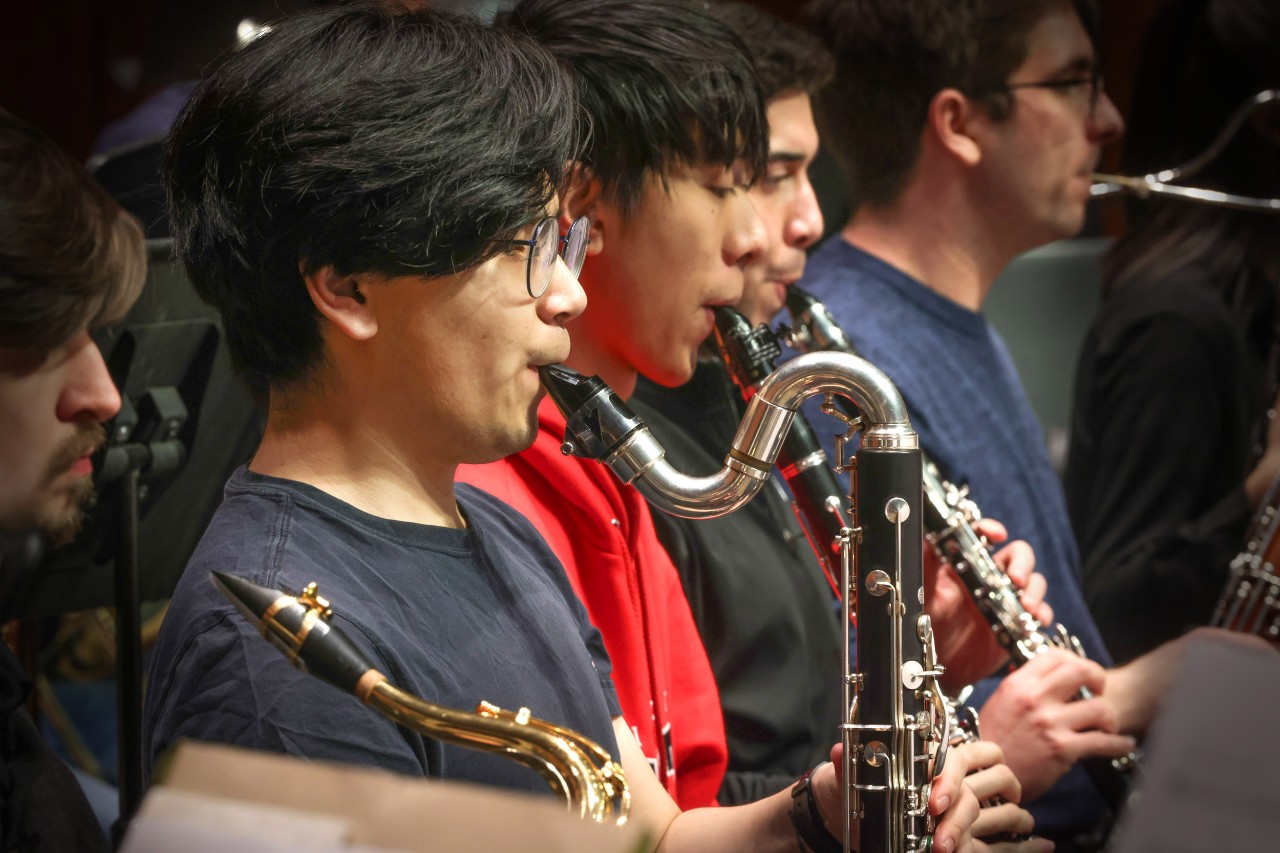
(184, 425)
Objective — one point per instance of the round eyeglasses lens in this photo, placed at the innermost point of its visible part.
(542, 261)
(575, 247)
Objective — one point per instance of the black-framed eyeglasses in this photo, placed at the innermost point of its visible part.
(543, 250)
(1094, 81)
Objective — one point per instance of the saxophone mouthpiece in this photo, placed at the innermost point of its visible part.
(250, 599)
(299, 627)
(598, 421)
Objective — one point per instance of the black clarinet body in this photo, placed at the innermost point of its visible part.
(950, 518)
(750, 355)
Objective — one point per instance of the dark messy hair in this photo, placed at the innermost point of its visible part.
(893, 56)
(663, 83)
(787, 59)
(364, 138)
(70, 257)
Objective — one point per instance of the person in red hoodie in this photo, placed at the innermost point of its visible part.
(678, 132)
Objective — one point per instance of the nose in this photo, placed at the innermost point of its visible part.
(746, 239)
(1106, 125)
(804, 217)
(88, 394)
(564, 299)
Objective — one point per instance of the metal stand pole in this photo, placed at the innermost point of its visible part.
(129, 655)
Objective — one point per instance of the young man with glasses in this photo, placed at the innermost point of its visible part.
(375, 293)
(983, 153)
(371, 299)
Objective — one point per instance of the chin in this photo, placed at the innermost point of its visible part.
(673, 375)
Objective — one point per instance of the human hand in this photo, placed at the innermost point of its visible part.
(967, 644)
(1044, 730)
(1136, 689)
(950, 800)
(1018, 561)
(998, 791)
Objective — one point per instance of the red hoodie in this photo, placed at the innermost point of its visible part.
(602, 532)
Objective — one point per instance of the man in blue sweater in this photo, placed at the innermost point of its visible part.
(981, 151)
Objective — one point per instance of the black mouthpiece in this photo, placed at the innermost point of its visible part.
(815, 327)
(598, 420)
(569, 389)
(748, 354)
(798, 301)
(324, 651)
(249, 598)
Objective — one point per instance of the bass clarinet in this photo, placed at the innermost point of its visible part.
(589, 781)
(749, 356)
(895, 732)
(950, 516)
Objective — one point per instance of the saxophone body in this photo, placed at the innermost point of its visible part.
(575, 767)
(950, 517)
(895, 729)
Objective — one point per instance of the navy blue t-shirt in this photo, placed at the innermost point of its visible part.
(452, 616)
(967, 404)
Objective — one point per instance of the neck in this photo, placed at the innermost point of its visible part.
(332, 442)
(936, 238)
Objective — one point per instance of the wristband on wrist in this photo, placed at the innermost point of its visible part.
(810, 830)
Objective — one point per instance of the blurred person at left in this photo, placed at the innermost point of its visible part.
(70, 260)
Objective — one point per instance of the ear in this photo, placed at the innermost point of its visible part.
(340, 300)
(956, 123)
(584, 196)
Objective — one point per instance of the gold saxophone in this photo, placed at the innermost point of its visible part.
(578, 769)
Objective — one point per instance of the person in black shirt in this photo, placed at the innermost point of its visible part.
(1169, 453)
(70, 260)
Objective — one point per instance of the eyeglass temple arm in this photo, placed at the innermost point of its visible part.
(1159, 183)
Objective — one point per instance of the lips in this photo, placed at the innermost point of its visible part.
(73, 455)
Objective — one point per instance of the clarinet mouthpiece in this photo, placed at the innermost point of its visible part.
(748, 354)
(814, 327)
